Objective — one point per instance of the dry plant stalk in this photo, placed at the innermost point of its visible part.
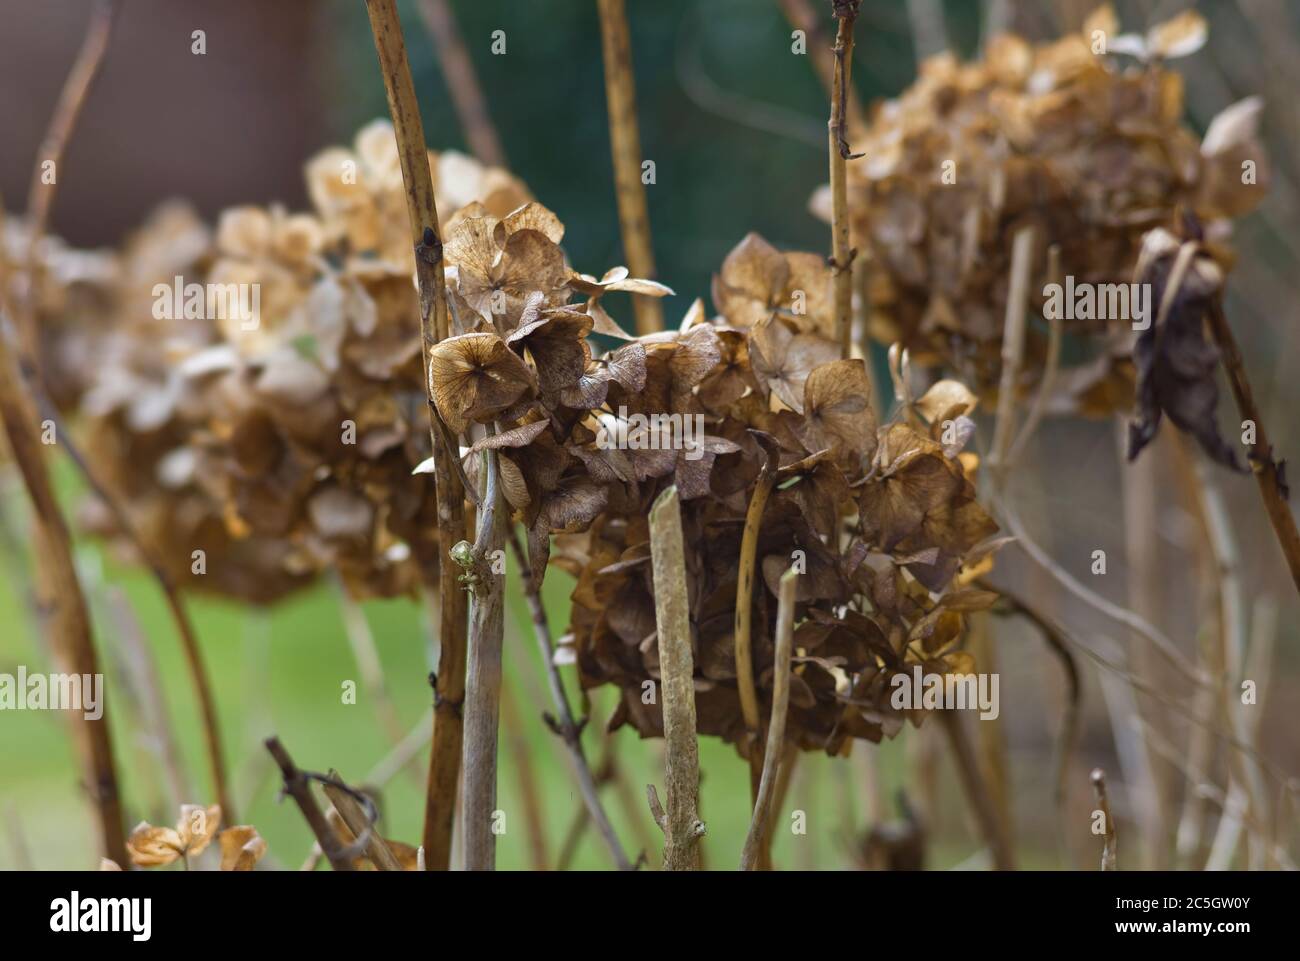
(444, 761)
(358, 822)
(298, 786)
(846, 11)
(483, 681)
(57, 576)
(40, 195)
(1268, 473)
(744, 613)
(625, 149)
(802, 16)
(759, 838)
(681, 824)
(565, 726)
(63, 599)
(462, 82)
(1108, 852)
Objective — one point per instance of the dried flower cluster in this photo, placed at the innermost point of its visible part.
(1083, 140)
(284, 443)
(880, 519)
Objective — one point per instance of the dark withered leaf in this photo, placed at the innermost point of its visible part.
(1176, 364)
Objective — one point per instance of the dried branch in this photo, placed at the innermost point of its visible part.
(62, 598)
(444, 760)
(1269, 474)
(298, 786)
(41, 193)
(744, 612)
(483, 680)
(462, 82)
(802, 16)
(361, 823)
(569, 731)
(846, 11)
(759, 837)
(1108, 852)
(681, 825)
(625, 150)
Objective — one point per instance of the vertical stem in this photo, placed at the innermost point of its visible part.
(483, 680)
(444, 760)
(462, 82)
(846, 11)
(1108, 851)
(744, 612)
(41, 193)
(625, 149)
(681, 824)
(567, 727)
(759, 837)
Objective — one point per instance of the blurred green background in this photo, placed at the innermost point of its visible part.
(735, 124)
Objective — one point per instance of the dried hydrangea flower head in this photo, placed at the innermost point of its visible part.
(1083, 140)
(282, 444)
(880, 520)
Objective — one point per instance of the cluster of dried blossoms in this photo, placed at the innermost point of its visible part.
(1081, 139)
(881, 520)
(284, 443)
(151, 847)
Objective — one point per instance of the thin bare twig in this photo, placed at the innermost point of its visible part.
(444, 760)
(625, 149)
(298, 786)
(759, 837)
(745, 685)
(1108, 851)
(568, 730)
(1268, 472)
(681, 824)
(360, 822)
(846, 12)
(44, 187)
